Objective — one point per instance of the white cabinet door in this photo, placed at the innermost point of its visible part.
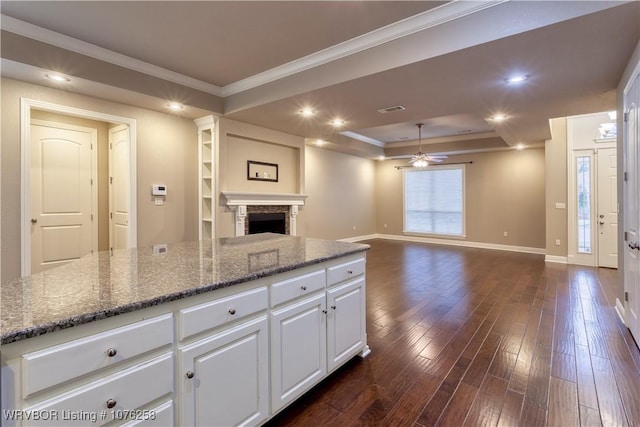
(346, 334)
(298, 349)
(224, 379)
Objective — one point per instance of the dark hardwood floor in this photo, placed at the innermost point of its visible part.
(471, 337)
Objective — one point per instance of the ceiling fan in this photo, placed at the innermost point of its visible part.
(420, 159)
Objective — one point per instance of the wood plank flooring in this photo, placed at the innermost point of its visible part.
(472, 337)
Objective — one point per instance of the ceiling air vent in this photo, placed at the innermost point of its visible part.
(391, 109)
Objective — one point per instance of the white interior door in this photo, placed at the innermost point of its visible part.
(632, 210)
(607, 220)
(119, 185)
(63, 197)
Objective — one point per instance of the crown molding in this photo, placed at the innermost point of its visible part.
(431, 18)
(43, 35)
(363, 138)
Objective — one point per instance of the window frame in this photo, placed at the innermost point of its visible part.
(461, 236)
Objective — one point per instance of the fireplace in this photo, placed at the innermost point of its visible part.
(244, 205)
(267, 223)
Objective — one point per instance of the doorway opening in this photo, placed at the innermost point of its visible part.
(72, 183)
(592, 193)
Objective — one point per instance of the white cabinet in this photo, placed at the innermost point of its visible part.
(346, 328)
(298, 349)
(110, 398)
(224, 379)
(206, 185)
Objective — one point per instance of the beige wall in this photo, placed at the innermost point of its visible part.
(504, 191)
(555, 152)
(239, 142)
(341, 190)
(241, 149)
(166, 154)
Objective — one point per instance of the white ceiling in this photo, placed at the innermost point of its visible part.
(260, 62)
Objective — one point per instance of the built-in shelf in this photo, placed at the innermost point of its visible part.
(207, 136)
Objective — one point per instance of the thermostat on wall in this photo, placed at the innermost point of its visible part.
(159, 190)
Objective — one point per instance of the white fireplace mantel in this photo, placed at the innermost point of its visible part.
(238, 202)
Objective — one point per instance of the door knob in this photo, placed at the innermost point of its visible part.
(34, 220)
(601, 222)
(601, 216)
(634, 245)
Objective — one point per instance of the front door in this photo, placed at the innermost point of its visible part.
(62, 193)
(607, 220)
(632, 210)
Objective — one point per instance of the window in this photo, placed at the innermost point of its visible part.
(434, 201)
(584, 204)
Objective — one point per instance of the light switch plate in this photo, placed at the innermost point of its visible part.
(560, 205)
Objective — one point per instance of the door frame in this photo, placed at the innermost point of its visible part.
(26, 105)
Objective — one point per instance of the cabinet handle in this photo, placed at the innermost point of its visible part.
(333, 306)
(303, 287)
(324, 311)
(111, 403)
(190, 374)
(112, 352)
(349, 272)
(232, 311)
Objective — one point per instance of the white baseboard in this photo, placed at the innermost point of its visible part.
(621, 311)
(556, 259)
(359, 238)
(465, 243)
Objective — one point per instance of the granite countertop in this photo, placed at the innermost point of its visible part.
(102, 285)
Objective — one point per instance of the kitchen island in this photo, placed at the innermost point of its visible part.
(221, 332)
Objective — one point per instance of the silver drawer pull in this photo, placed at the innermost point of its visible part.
(324, 311)
(333, 306)
(303, 287)
(349, 272)
(232, 311)
(111, 403)
(190, 374)
(112, 352)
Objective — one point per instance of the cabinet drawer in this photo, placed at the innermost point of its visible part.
(220, 311)
(297, 286)
(341, 272)
(126, 390)
(55, 365)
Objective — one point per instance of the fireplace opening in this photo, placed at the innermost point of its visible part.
(267, 223)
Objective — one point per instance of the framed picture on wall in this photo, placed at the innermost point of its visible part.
(261, 171)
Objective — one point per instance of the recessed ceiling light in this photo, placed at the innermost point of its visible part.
(307, 112)
(381, 158)
(337, 122)
(516, 79)
(320, 142)
(520, 147)
(498, 118)
(57, 77)
(174, 106)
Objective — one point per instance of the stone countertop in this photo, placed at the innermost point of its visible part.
(102, 285)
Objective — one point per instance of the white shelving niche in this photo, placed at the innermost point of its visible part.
(207, 143)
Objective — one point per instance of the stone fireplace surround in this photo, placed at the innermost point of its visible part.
(243, 203)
